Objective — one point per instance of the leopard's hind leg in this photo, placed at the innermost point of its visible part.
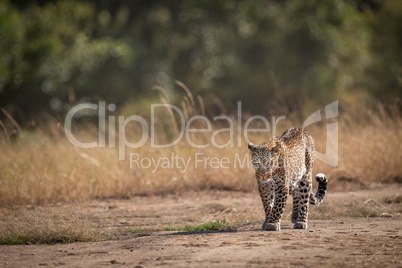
(296, 199)
(303, 202)
(304, 187)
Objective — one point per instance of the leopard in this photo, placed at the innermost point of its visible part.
(283, 165)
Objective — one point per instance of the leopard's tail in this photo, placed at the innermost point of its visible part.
(322, 189)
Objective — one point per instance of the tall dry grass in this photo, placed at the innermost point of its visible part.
(44, 167)
(370, 145)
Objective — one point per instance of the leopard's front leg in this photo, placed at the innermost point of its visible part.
(267, 198)
(274, 221)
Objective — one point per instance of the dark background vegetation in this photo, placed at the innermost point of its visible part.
(267, 54)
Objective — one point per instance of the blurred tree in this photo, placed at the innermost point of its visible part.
(384, 75)
(268, 54)
(48, 52)
(265, 53)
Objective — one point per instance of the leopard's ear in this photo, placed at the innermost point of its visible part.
(252, 147)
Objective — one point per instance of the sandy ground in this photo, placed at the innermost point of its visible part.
(330, 240)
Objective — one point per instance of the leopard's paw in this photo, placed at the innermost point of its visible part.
(300, 225)
(271, 226)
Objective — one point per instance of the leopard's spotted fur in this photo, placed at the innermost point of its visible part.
(284, 165)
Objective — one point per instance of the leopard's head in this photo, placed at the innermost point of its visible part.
(265, 157)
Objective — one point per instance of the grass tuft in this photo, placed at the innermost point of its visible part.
(394, 199)
(43, 226)
(136, 230)
(207, 226)
(373, 208)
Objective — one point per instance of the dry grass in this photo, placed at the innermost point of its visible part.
(43, 167)
(45, 226)
(370, 145)
(370, 207)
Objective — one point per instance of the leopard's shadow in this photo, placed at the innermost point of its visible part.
(238, 228)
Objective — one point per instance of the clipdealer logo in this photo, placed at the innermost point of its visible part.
(199, 160)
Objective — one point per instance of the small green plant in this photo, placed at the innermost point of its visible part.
(136, 230)
(12, 240)
(207, 226)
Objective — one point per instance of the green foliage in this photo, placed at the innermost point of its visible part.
(384, 75)
(264, 53)
(54, 48)
(207, 226)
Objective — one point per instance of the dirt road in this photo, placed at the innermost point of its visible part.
(333, 241)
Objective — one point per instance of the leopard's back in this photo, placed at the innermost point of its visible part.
(299, 153)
